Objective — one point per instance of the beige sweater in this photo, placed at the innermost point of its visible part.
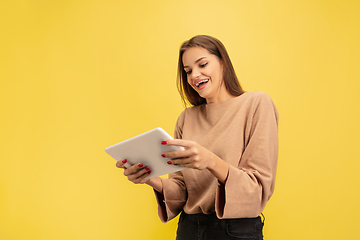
(243, 132)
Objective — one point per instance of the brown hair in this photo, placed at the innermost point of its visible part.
(214, 46)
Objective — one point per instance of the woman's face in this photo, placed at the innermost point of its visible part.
(204, 74)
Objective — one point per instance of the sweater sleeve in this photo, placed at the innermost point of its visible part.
(174, 196)
(250, 184)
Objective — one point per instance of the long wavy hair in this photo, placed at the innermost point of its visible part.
(188, 95)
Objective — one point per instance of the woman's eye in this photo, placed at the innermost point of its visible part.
(203, 65)
(188, 72)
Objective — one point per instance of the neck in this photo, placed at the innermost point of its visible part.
(222, 96)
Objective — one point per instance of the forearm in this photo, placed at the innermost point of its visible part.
(219, 168)
(155, 183)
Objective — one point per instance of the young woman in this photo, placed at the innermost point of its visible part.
(231, 146)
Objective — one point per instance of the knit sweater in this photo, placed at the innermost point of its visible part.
(242, 131)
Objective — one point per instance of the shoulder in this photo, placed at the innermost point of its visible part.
(191, 111)
(188, 114)
(185, 113)
(256, 96)
(251, 100)
(263, 106)
(181, 118)
(260, 103)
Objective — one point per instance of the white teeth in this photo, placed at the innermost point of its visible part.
(203, 81)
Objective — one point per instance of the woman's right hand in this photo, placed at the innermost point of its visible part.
(136, 173)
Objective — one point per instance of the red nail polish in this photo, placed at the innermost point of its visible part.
(124, 161)
(164, 142)
(147, 168)
(168, 162)
(140, 165)
(149, 172)
(163, 155)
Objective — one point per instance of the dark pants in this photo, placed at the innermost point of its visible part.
(208, 227)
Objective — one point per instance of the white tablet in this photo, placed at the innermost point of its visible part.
(146, 148)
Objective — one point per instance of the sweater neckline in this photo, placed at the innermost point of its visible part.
(214, 111)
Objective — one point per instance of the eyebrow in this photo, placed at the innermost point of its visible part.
(196, 61)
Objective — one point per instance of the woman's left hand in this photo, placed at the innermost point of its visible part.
(194, 155)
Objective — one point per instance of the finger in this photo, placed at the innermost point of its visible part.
(139, 176)
(141, 179)
(188, 164)
(180, 153)
(144, 181)
(132, 169)
(121, 163)
(181, 162)
(178, 142)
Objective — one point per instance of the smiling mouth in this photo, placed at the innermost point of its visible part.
(201, 82)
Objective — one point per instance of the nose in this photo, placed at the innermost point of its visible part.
(195, 73)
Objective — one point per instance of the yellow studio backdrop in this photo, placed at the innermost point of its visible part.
(78, 76)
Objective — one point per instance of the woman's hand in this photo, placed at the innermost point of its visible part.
(197, 157)
(194, 155)
(136, 173)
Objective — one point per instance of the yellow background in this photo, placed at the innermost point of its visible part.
(78, 76)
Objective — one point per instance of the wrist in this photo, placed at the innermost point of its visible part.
(213, 162)
(219, 168)
(155, 183)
